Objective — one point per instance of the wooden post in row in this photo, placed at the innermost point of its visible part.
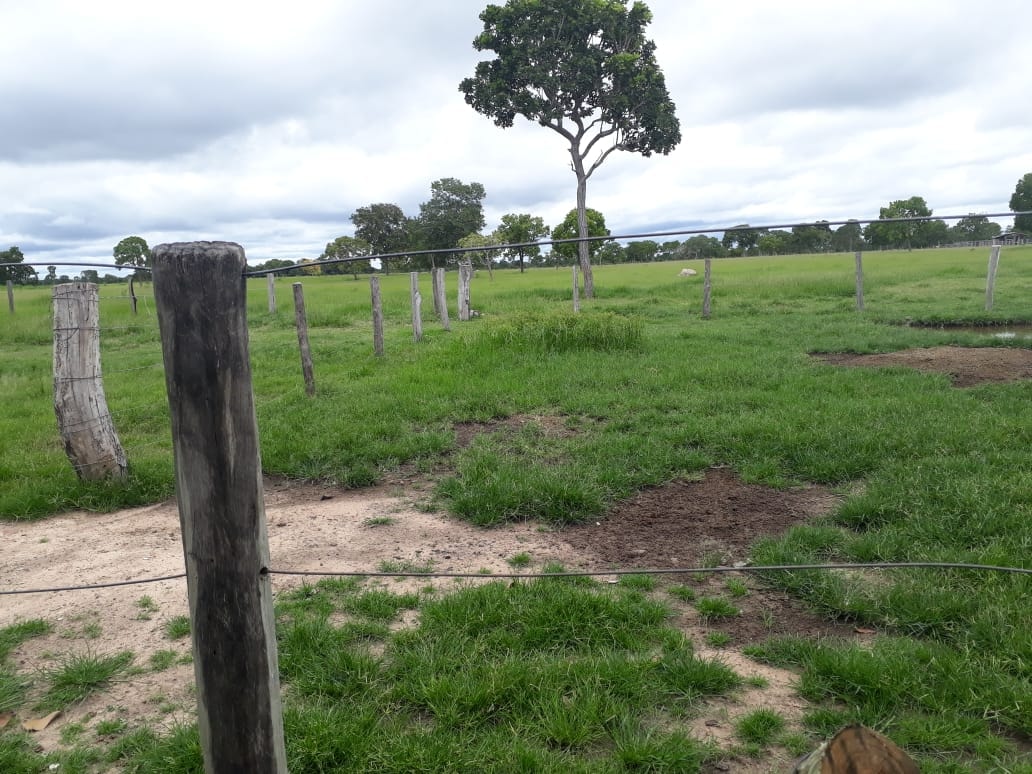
(576, 291)
(270, 279)
(465, 275)
(374, 287)
(859, 281)
(132, 296)
(83, 418)
(200, 294)
(417, 306)
(990, 280)
(301, 321)
(707, 288)
(440, 297)
(10, 295)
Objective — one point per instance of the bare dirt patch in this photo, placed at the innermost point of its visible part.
(322, 528)
(550, 425)
(966, 366)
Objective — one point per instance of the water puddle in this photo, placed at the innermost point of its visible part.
(1020, 332)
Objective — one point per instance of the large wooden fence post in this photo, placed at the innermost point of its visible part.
(707, 287)
(417, 306)
(270, 280)
(440, 298)
(374, 289)
(200, 293)
(576, 291)
(859, 281)
(990, 280)
(301, 321)
(83, 418)
(465, 275)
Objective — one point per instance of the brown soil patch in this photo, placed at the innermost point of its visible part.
(315, 527)
(551, 426)
(966, 366)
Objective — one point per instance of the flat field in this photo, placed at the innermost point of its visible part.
(531, 414)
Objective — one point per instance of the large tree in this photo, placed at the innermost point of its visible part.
(848, 238)
(909, 235)
(584, 69)
(1021, 200)
(384, 227)
(347, 247)
(519, 229)
(974, 228)
(570, 229)
(132, 251)
(9, 271)
(453, 211)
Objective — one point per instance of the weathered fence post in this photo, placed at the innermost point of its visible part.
(83, 418)
(271, 281)
(132, 296)
(374, 287)
(301, 321)
(417, 306)
(576, 291)
(10, 295)
(200, 293)
(465, 274)
(707, 288)
(435, 291)
(859, 281)
(440, 298)
(990, 280)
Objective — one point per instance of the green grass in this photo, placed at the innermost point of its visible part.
(649, 391)
(177, 627)
(78, 676)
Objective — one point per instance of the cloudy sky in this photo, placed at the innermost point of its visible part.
(269, 123)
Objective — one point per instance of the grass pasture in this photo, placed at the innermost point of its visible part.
(645, 391)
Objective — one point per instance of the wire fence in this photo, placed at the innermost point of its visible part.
(742, 568)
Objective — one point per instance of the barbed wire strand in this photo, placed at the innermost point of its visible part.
(570, 574)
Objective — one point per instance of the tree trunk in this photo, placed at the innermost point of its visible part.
(582, 224)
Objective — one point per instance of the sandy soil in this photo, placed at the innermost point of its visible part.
(315, 527)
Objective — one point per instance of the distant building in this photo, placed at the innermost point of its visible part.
(1013, 238)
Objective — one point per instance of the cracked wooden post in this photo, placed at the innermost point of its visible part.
(990, 280)
(440, 298)
(200, 294)
(301, 322)
(859, 281)
(707, 289)
(270, 280)
(417, 306)
(374, 288)
(576, 291)
(83, 417)
(465, 275)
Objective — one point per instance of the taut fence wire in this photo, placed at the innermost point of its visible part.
(744, 568)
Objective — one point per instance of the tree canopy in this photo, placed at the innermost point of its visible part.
(382, 226)
(10, 271)
(568, 230)
(906, 235)
(132, 251)
(520, 229)
(1021, 200)
(346, 247)
(582, 68)
(454, 210)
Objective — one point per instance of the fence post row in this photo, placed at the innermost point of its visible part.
(200, 295)
(301, 323)
(83, 417)
(859, 281)
(990, 280)
(707, 287)
(417, 306)
(374, 288)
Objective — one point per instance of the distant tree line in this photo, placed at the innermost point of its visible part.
(453, 219)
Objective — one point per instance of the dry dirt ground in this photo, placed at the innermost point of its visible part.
(312, 527)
